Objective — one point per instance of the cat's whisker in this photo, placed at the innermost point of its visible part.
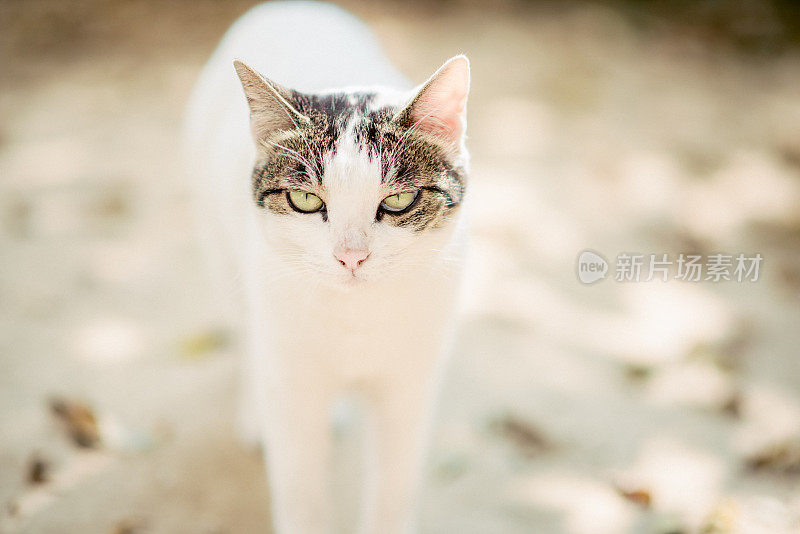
(400, 143)
(294, 155)
(302, 136)
(286, 149)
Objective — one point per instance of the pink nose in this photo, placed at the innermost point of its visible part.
(351, 259)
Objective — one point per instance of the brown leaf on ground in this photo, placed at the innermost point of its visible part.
(38, 470)
(781, 458)
(129, 526)
(790, 154)
(733, 406)
(79, 420)
(638, 496)
(529, 440)
(636, 372)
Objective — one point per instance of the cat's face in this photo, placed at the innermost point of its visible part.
(358, 186)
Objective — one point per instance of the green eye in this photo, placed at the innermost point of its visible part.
(305, 202)
(399, 202)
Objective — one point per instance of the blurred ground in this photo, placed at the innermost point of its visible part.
(659, 408)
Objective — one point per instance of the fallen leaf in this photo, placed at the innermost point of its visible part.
(38, 470)
(202, 343)
(636, 372)
(129, 526)
(781, 458)
(529, 439)
(639, 496)
(79, 420)
(733, 406)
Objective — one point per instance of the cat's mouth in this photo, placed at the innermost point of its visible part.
(354, 279)
(351, 279)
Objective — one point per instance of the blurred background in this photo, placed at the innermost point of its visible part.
(660, 127)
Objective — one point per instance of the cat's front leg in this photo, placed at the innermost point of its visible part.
(400, 426)
(298, 452)
(251, 423)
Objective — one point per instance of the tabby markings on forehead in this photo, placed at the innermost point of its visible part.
(409, 158)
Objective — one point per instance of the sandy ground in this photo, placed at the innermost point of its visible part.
(662, 407)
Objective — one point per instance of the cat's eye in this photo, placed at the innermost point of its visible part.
(399, 202)
(305, 202)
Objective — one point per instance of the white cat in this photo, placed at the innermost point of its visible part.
(337, 205)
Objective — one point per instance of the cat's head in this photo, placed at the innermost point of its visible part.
(360, 184)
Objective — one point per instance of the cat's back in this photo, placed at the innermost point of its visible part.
(308, 46)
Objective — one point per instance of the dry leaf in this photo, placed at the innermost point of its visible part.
(782, 457)
(79, 419)
(129, 526)
(733, 406)
(529, 439)
(639, 496)
(636, 372)
(38, 470)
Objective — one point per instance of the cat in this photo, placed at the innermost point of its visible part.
(330, 200)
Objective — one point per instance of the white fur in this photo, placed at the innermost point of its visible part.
(314, 331)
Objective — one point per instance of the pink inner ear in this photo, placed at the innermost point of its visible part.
(440, 106)
(441, 115)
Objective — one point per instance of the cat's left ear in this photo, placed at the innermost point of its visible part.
(440, 106)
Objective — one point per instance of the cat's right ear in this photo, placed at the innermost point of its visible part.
(270, 104)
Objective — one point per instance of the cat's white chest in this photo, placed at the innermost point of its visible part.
(363, 334)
